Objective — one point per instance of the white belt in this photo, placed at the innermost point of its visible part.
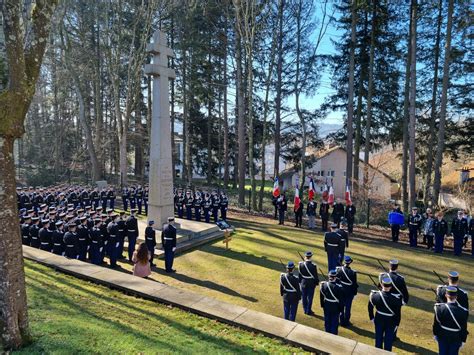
(112, 235)
(331, 300)
(306, 277)
(346, 283)
(95, 242)
(70, 245)
(57, 244)
(45, 243)
(34, 237)
(450, 329)
(120, 230)
(287, 290)
(81, 239)
(333, 245)
(168, 238)
(414, 224)
(25, 236)
(131, 230)
(385, 314)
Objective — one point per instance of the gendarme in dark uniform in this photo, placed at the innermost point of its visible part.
(150, 240)
(387, 313)
(333, 246)
(132, 232)
(459, 229)
(168, 242)
(450, 324)
(348, 279)
(290, 291)
(70, 241)
(308, 278)
(331, 299)
(462, 298)
(414, 225)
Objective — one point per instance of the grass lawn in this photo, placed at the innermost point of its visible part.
(248, 275)
(72, 316)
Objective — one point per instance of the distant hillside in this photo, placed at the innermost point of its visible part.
(389, 160)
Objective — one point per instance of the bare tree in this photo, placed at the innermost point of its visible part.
(412, 103)
(25, 44)
(279, 86)
(432, 132)
(444, 103)
(350, 100)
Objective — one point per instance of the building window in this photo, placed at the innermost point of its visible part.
(320, 173)
(344, 173)
(321, 189)
(331, 173)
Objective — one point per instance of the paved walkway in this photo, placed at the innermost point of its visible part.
(297, 334)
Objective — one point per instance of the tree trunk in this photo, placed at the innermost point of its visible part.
(370, 90)
(412, 127)
(432, 133)
(226, 118)
(240, 118)
(253, 182)
(209, 122)
(358, 123)
(174, 153)
(13, 305)
(444, 103)
(405, 126)
(278, 98)
(350, 103)
(187, 164)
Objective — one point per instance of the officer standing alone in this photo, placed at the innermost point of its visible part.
(168, 241)
(150, 240)
(333, 246)
(459, 229)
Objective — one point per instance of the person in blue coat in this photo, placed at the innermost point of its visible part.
(168, 242)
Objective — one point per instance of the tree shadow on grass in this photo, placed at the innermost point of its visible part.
(189, 331)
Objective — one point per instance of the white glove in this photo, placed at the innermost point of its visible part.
(462, 345)
(373, 320)
(174, 249)
(100, 250)
(117, 244)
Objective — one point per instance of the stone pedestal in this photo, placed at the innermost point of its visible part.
(160, 204)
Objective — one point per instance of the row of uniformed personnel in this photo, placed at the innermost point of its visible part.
(384, 306)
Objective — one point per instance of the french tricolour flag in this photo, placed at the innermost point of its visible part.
(311, 189)
(297, 200)
(331, 196)
(276, 188)
(325, 191)
(348, 195)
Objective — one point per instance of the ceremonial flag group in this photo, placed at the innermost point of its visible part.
(276, 188)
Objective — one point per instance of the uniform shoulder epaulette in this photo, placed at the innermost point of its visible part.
(438, 304)
(282, 274)
(354, 270)
(460, 289)
(374, 291)
(440, 286)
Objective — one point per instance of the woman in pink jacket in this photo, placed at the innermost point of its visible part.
(141, 259)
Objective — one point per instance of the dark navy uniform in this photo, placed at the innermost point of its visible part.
(308, 278)
(179, 204)
(206, 205)
(197, 208)
(298, 215)
(440, 229)
(348, 280)
(188, 203)
(324, 214)
(344, 243)
(97, 245)
(139, 198)
(125, 198)
(459, 228)
(132, 234)
(290, 291)
(331, 299)
(45, 237)
(450, 326)
(462, 297)
(224, 206)
(70, 241)
(337, 212)
(111, 197)
(282, 206)
(58, 239)
(216, 202)
(349, 214)
(25, 233)
(34, 235)
(332, 246)
(414, 225)
(168, 241)
(145, 200)
(103, 198)
(113, 245)
(150, 240)
(122, 232)
(386, 317)
(94, 196)
(82, 239)
(311, 213)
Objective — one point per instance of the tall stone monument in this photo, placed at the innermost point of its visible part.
(160, 205)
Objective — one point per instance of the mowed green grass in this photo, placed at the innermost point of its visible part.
(72, 316)
(248, 275)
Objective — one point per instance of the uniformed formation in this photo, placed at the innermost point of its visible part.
(73, 223)
(201, 206)
(434, 229)
(385, 304)
(338, 212)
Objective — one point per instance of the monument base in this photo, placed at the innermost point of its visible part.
(160, 214)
